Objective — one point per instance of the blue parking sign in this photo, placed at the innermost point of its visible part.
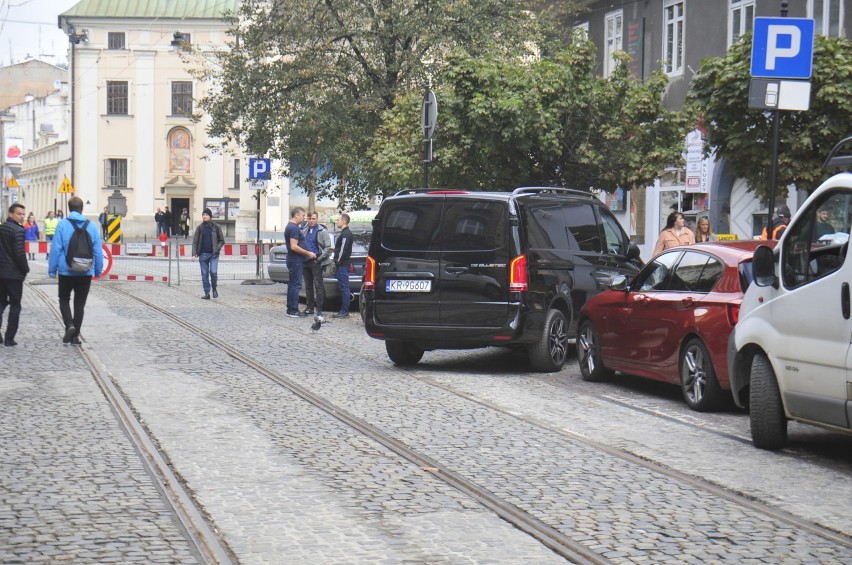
(259, 168)
(782, 48)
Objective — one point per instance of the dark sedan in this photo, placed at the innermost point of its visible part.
(672, 322)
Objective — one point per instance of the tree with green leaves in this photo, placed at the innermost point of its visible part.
(308, 82)
(743, 137)
(508, 121)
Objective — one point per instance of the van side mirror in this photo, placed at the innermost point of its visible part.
(763, 267)
(633, 252)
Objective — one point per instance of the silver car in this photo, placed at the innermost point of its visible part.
(278, 272)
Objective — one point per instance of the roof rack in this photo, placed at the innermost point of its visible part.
(840, 161)
(550, 190)
(431, 191)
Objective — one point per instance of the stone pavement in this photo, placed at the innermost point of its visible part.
(286, 482)
(73, 489)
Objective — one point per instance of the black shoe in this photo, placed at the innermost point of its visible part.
(70, 333)
(215, 293)
(340, 315)
(206, 296)
(10, 342)
(76, 340)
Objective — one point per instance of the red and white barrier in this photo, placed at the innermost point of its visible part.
(184, 250)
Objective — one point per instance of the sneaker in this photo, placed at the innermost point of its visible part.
(70, 333)
(293, 315)
(340, 315)
(76, 340)
(215, 293)
(206, 296)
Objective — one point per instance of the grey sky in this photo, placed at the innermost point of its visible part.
(28, 27)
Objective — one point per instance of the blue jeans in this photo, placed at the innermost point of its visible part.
(296, 268)
(342, 274)
(209, 270)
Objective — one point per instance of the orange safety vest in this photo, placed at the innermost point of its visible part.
(776, 233)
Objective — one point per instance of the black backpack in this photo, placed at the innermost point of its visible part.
(79, 253)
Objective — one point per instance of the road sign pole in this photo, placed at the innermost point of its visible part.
(776, 141)
(259, 249)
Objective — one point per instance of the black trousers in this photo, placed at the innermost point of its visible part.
(11, 292)
(79, 285)
(313, 286)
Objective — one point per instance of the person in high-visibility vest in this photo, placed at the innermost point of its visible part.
(50, 223)
(778, 225)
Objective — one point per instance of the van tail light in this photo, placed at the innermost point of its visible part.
(518, 276)
(733, 314)
(369, 281)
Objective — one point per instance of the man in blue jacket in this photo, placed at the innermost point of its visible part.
(71, 281)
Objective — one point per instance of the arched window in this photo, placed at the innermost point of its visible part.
(180, 151)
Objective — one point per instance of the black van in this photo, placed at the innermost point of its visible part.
(451, 269)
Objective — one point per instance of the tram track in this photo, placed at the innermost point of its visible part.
(198, 528)
(547, 535)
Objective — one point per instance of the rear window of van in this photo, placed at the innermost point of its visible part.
(448, 225)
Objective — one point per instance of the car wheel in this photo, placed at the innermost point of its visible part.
(548, 353)
(403, 352)
(766, 412)
(589, 354)
(698, 381)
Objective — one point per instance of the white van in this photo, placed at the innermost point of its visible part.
(789, 356)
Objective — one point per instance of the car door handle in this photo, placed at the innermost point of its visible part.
(844, 300)
(456, 270)
(688, 302)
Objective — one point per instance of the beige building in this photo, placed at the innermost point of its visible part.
(135, 146)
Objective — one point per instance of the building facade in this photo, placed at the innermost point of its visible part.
(139, 141)
(676, 35)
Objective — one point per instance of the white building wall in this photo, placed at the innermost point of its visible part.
(145, 121)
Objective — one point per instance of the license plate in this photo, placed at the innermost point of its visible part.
(408, 285)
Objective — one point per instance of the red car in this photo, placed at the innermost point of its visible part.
(672, 321)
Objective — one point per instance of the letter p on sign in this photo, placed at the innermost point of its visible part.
(774, 50)
(782, 48)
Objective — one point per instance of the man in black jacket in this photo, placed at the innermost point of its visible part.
(13, 269)
(342, 260)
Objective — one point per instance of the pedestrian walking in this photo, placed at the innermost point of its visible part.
(103, 220)
(167, 222)
(702, 230)
(675, 233)
(207, 242)
(31, 234)
(297, 254)
(342, 260)
(67, 246)
(159, 219)
(318, 242)
(184, 222)
(50, 223)
(13, 270)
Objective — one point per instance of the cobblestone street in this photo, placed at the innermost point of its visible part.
(632, 475)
